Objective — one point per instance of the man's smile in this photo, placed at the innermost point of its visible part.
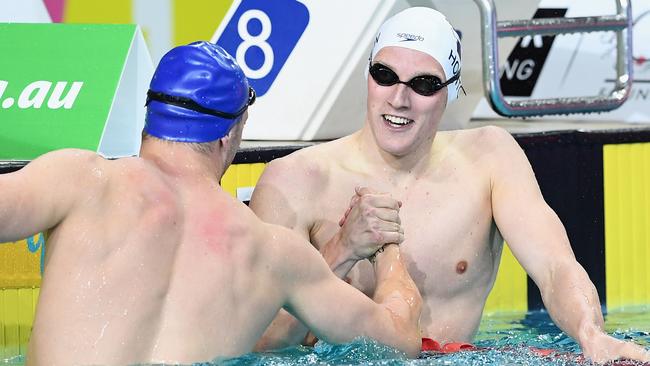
(396, 121)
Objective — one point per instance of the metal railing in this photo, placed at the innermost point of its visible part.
(491, 30)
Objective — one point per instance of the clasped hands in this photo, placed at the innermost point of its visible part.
(370, 222)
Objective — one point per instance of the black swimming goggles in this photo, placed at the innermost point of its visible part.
(425, 85)
(190, 104)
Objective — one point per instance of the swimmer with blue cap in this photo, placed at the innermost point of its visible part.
(151, 261)
(197, 94)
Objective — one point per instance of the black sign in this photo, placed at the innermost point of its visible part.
(525, 63)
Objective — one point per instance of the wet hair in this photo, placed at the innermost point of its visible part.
(205, 148)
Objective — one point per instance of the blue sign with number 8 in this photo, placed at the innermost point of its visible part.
(261, 35)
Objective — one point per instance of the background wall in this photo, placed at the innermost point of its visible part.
(165, 23)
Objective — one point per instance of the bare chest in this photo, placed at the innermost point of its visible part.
(448, 230)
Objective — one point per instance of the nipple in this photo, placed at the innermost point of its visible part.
(461, 267)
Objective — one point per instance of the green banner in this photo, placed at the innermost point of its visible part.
(57, 85)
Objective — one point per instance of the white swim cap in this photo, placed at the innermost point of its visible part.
(426, 30)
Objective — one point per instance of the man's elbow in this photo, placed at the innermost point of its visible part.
(409, 340)
(412, 323)
(412, 335)
(402, 328)
(412, 345)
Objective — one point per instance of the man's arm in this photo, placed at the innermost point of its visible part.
(273, 202)
(337, 312)
(38, 196)
(371, 221)
(540, 243)
(284, 196)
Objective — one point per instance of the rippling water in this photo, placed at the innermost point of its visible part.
(503, 339)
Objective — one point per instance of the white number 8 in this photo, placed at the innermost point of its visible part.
(259, 41)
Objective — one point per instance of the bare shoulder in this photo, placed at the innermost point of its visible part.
(302, 172)
(494, 136)
(486, 137)
(65, 166)
(71, 159)
(311, 163)
(488, 142)
(61, 179)
(86, 167)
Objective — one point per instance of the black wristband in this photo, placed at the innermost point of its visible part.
(373, 257)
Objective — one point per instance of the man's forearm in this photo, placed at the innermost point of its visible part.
(337, 257)
(394, 281)
(572, 302)
(284, 331)
(397, 291)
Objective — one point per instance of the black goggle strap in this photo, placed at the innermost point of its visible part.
(451, 80)
(252, 96)
(188, 103)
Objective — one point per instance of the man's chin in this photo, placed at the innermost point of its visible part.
(396, 150)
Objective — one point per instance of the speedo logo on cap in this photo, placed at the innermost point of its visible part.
(407, 37)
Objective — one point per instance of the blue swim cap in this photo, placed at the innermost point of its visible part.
(197, 93)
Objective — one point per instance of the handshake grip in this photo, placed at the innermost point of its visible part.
(370, 222)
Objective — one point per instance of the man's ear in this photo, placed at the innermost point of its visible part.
(228, 137)
(225, 140)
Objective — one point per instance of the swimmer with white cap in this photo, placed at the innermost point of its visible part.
(425, 30)
(438, 193)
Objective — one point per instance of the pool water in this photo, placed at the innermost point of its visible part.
(504, 339)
